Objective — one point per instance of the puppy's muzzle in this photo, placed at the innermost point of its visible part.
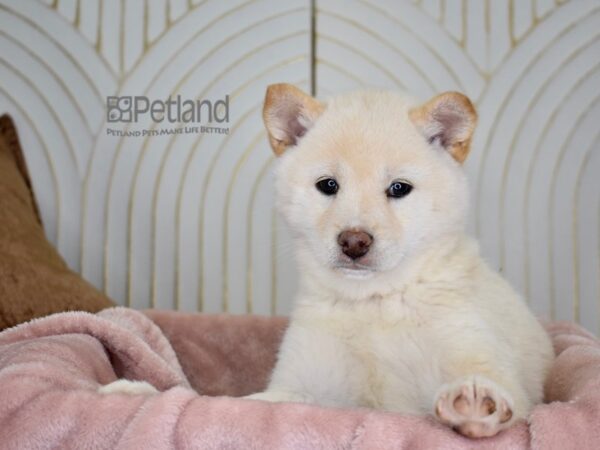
(355, 243)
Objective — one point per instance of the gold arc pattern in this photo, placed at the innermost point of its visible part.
(529, 177)
(539, 94)
(172, 57)
(574, 224)
(121, 71)
(595, 101)
(500, 112)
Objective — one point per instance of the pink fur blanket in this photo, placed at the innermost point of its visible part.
(51, 368)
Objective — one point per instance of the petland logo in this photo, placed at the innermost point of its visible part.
(130, 109)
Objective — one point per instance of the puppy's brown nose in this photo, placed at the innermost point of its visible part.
(355, 243)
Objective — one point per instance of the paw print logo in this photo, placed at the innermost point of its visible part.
(118, 109)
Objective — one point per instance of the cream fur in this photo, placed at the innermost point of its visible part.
(427, 317)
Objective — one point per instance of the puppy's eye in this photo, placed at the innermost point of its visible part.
(399, 189)
(327, 186)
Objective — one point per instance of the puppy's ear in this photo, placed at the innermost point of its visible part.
(288, 114)
(450, 119)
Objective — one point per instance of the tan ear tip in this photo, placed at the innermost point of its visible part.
(274, 87)
(462, 100)
(272, 95)
(281, 88)
(281, 92)
(272, 90)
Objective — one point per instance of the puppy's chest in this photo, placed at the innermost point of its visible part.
(397, 347)
(388, 318)
(387, 337)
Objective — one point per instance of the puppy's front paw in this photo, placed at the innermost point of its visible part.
(474, 406)
(127, 387)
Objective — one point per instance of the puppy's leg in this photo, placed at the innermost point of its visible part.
(123, 386)
(314, 366)
(477, 406)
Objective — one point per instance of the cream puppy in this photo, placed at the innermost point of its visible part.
(396, 309)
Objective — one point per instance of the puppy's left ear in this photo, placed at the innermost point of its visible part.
(450, 119)
(288, 114)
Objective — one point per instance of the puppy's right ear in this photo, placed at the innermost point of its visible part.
(288, 114)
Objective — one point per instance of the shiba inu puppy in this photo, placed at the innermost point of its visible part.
(396, 309)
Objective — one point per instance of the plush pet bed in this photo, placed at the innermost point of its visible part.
(51, 369)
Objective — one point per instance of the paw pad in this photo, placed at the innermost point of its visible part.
(475, 407)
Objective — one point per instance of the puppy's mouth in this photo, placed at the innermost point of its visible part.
(354, 268)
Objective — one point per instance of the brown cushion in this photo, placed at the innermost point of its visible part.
(34, 279)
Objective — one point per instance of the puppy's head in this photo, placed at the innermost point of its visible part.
(368, 179)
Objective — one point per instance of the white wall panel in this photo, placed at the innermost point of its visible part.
(181, 221)
(187, 221)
